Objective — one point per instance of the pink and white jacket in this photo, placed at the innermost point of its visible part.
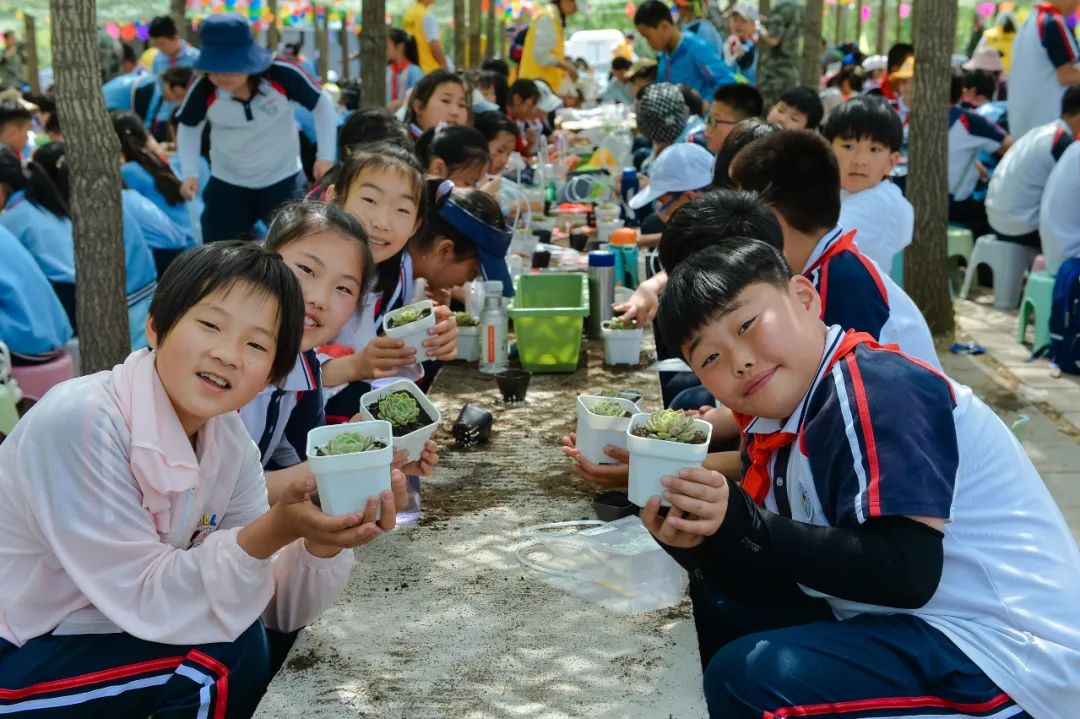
(110, 521)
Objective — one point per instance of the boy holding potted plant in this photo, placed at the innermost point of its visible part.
(931, 537)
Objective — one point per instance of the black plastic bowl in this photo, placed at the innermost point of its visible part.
(472, 426)
(613, 505)
(513, 383)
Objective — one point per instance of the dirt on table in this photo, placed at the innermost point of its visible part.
(441, 620)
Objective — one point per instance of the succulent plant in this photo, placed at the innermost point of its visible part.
(399, 409)
(609, 393)
(464, 319)
(620, 324)
(350, 443)
(407, 315)
(673, 426)
(607, 409)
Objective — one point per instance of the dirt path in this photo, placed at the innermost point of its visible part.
(440, 620)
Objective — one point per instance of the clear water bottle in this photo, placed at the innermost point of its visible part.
(494, 328)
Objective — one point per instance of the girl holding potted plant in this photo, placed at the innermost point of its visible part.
(193, 556)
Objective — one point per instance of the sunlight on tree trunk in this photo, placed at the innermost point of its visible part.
(461, 34)
(812, 45)
(372, 52)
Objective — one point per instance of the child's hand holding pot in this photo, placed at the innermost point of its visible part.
(699, 501)
(442, 341)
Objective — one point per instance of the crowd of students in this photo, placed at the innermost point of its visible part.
(866, 538)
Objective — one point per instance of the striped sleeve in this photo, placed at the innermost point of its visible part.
(199, 98)
(1060, 143)
(880, 438)
(294, 83)
(852, 294)
(1057, 39)
(979, 126)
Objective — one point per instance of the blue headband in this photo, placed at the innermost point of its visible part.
(490, 240)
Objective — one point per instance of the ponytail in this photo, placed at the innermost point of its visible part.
(133, 138)
(34, 181)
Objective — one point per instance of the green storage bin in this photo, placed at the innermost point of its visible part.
(547, 311)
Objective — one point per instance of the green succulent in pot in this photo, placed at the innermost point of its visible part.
(408, 315)
(399, 409)
(349, 443)
(464, 319)
(671, 425)
(609, 393)
(608, 409)
(620, 324)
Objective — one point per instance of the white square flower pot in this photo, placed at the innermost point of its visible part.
(468, 343)
(651, 459)
(414, 333)
(345, 481)
(621, 346)
(595, 432)
(414, 441)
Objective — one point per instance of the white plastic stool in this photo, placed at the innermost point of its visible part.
(1008, 261)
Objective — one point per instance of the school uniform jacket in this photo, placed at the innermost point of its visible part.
(33, 323)
(882, 434)
(97, 537)
(267, 416)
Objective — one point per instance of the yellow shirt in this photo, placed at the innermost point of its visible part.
(531, 68)
(1002, 42)
(413, 23)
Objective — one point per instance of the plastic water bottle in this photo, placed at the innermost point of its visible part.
(494, 327)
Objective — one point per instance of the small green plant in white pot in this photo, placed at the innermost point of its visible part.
(351, 462)
(410, 324)
(622, 341)
(468, 339)
(412, 416)
(602, 421)
(631, 394)
(662, 444)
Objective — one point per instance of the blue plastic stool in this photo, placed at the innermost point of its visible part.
(1038, 297)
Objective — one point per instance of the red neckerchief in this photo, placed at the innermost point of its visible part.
(1047, 7)
(395, 70)
(887, 89)
(842, 245)
(761, 446)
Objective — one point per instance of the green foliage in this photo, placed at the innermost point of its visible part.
(464, 319)
(399, 409)
(407, 315)
(349, 443)
(673, 426)
(607, 409)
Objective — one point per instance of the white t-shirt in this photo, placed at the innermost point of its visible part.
(1016, 187)
(884, 218)
(1059, 214)
(892, 438)
(969, 134)
(1043, 44)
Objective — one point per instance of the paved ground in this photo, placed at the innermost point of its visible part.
(440, 621)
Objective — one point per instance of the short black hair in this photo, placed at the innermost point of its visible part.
(496, 81)
(807, 102)
(478, 203)
(743, 99)
(524, 90)
(14, 111)
(456, 145)
(427, 86)
(177, 76)
(956, 86)
(491, 123)
(865, 118)
(497, 64)
(705, 285)
(163, 26)
(620, 63)
(221, 266)
(796, 173)
(740, 136)
(127, 53)
(371, 124)
(296, 220)
(651, 13)
(897, 54)
(713, 217)
(982, 81)
(692, 98)
(1070, 101)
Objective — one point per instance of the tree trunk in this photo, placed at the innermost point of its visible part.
(273, 37)
(763, 8)
(93, 151)
(838, 31)
(898, 34)
(343, 40)
(812, 44)
(491, 25)
(858, 23)
(322, 43)
(31, 53)
(476, 24)
(925, 267)
(461, 33)
(372, 52)
(177, 11)
(882, 26)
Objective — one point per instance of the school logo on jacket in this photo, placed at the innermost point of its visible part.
(805, 501)
(207, 525)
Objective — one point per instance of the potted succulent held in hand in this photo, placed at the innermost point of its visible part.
(410, 324)
(622, 341)
(631, 394)
(661, 444)
(351, 462)
(412, 416)
(602, 421)
(468, 339)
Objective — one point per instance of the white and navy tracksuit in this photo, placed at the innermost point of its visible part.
(1044, 43)
(880, 434)
(278, 419)
(254, 146)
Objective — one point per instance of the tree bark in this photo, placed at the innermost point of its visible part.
(93, 151)
(31, 53)
(177, 11)
(858, 23)
(763, 8)
(491, 25)
(322, 42)
(273, 37)
(882, 26)
(812, 44)
(898, 34)
(343, 40)
(925, 265)
(372, 52)
(476, 24)
(461, 33)
(838, 31)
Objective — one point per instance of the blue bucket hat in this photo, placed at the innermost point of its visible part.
(227, 46)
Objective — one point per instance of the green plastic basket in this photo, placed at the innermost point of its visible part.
(547, 310)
